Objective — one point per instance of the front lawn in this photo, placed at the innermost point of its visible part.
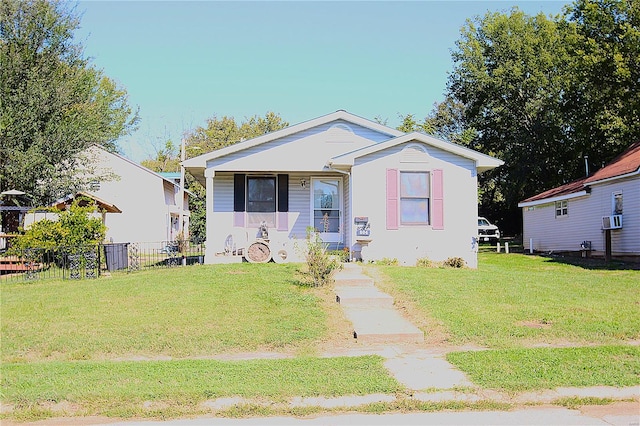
(517, 300)
(177, 313)
(139, 345)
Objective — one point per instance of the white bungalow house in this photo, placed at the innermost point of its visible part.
(375, 190)
(578, 216)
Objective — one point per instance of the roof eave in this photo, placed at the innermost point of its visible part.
(626, 175)
(553, 199)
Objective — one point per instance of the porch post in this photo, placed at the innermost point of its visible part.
(210, 250)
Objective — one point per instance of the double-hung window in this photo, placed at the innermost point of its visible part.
(562, 208)
(261, 200)
(414, 198)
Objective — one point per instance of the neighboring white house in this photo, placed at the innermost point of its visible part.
(574, 216)
(150, 204)
(375, 190)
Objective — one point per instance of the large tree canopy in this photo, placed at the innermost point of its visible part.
(541, 93)
(53, 103)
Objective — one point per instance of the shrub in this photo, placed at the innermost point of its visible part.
(75, 227)
(320, 264)
(343, 255)
(425, 262)
(388, 261)
(454, 262)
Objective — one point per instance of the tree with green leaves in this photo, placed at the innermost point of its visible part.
(225, 131)
(510, 75)
(53, 102)
(541, 93)
(603, 102)
(167, 159)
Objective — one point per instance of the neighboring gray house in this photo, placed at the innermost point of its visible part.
(375, 190)
(575, 216)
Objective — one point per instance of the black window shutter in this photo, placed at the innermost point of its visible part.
(238, 193)
(283, 193)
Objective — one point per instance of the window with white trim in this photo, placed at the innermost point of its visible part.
(414, 198)
(562, 208)
(616, 202)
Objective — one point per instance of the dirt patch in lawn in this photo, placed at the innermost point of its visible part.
(534, 324)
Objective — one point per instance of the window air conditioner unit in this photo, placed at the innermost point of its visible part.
(612, 222)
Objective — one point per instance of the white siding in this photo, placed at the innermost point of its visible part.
(299, 211)
(584, 221)
(140, 195)
(409, 243)
(310, 152)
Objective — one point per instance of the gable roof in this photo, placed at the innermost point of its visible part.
(200, 162)
(483, 162)
(624, 165)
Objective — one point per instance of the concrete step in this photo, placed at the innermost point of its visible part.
(350, 296)
(351, 266)
(353, 281)
(382, 325)
(352, 276)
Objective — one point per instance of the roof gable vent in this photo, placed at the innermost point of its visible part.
(340, 132)
(414, 153)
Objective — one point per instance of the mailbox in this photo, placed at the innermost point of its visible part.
(363, 228)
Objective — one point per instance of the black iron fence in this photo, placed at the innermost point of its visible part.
(87, 262)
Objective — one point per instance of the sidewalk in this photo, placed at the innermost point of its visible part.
(529, 416)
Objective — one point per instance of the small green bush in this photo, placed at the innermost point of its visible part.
(74, 228)
(320, 264)
(454, 262)
(344, 255)
(425, 262)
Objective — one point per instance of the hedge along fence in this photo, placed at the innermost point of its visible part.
(90, 261)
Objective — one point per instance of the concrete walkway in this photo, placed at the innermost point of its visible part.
(371, 311)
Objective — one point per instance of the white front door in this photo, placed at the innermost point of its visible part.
(326, 208)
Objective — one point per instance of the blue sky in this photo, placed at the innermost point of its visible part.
(184, 62)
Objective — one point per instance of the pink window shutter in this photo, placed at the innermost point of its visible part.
(437, 200)
(392, 198)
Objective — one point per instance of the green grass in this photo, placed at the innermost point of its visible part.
(178, 313)
(516, 370)
(192, 381)
(517, 300)
(77, 342)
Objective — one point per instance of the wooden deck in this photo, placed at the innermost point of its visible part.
(13, 264)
